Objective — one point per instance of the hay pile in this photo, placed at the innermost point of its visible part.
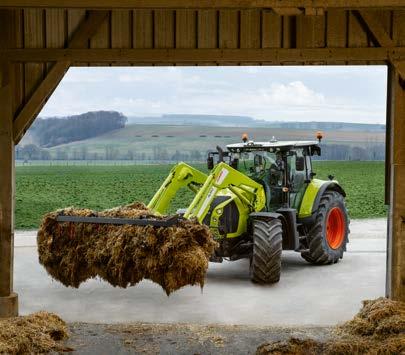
(379, 328)
(123, 255)
(33, 334)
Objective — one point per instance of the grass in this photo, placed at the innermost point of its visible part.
(41, 189)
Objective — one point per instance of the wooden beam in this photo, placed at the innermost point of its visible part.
(376, 29)
(271, 56)
(380, 36)
(396, 220)
(288, 11)
(400, 67)
(8, 299)
(201, 4)
(79, 39)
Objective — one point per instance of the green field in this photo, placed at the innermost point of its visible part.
(41, 189)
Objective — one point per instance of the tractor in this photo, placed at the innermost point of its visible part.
(260, 198)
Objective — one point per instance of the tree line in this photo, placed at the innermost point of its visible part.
(371, 151)
(55, 131)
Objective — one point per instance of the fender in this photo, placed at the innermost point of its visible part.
(266, 215)
(288, 218)
(313, 194)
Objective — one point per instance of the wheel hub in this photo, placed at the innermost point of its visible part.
(335, 228)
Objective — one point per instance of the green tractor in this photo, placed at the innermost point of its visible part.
(261, 198)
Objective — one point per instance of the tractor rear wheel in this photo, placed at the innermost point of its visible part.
(267, 248)
(328, 236)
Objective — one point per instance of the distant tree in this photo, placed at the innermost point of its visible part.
(61, 154)
(56, 131)
(195, 155)
(18, 153)
(359, 153)
(83, 153)
(31, 152)
(131, 154)
(45, 155)
(76, 154)
(111, 153)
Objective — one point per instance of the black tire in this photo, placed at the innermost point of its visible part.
(267, 247)
(319, 250)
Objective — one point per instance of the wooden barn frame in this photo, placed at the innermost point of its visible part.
(41, 39)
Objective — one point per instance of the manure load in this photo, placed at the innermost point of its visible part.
(124, 254)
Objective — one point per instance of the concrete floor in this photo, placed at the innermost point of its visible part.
(306, 294)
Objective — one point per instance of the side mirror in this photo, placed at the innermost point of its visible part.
(316, 151)
(300, 164)
(210, 163)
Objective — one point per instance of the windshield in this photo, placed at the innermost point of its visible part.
(256, 162)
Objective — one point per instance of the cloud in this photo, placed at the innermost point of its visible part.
(294, 93)
(271, 93)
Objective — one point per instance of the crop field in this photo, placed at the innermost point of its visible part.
(41, 189)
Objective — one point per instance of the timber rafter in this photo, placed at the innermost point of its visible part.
(202, 4)
(269, 56)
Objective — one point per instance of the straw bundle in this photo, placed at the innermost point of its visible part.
(124, 255)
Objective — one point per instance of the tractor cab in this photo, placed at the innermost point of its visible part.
(284, 168)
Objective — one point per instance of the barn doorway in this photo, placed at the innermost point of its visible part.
(202, 108)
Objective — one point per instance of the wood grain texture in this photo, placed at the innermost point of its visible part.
(186, 29)
(7, 191)
(121, 29)
(250, 29)
(229, 29)
(218, 4)
(164, 27)
(271, 30)
(398, 27)
(55, 26)
(310, 31)
(33, 38)
(208, 29)
(143, 29)
(396, 175)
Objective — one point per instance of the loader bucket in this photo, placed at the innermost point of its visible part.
(124, 246)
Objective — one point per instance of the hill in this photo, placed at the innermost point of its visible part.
(171, 142)
(246, 121)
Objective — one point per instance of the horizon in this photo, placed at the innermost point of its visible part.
(209, 115)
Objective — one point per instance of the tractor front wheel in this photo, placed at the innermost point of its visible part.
(267, 248)
(328, 236)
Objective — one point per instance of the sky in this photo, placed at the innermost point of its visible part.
(288, 93)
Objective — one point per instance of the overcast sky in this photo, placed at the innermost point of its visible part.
(347, 94)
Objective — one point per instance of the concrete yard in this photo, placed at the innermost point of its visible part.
(306, 295)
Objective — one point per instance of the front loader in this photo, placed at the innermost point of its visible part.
(258, 199)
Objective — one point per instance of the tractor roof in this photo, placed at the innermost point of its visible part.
(276, 145)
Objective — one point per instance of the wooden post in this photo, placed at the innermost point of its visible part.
(8, 299)
(396, 221)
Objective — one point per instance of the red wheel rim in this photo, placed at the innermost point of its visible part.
(335, 228)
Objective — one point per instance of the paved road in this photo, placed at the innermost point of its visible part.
(305, 295)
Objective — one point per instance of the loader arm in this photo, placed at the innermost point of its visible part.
(225, 178)
(180, 175)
